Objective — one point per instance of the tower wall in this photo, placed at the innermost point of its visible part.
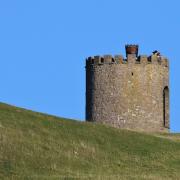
(127, 93)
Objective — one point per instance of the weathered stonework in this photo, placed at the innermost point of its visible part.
(130, 93)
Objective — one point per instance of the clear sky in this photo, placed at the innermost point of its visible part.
(44, 43)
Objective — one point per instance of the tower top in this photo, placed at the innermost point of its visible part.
(131, 49)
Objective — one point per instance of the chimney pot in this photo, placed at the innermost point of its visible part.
(131, 49)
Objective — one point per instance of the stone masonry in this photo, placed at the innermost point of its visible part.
(131, 93)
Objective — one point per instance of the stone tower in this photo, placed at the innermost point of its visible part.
(130, 93)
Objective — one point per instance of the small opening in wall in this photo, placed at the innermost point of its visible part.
(132, 73)
(102, 60)
(149, 59)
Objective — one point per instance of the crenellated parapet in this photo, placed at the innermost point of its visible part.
(106, 59)
(119, 59)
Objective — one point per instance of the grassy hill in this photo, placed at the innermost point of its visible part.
(39, 146)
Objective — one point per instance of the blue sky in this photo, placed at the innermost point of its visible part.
(44, 43)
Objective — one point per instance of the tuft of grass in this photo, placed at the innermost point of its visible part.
(39, 146)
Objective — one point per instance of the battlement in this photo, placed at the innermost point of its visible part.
(118, 59)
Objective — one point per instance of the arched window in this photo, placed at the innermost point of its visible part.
(166, 107)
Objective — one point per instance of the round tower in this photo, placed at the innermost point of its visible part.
(130, 93)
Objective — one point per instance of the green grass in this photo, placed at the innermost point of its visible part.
(39, 146)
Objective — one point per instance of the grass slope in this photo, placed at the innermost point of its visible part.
(39, 146)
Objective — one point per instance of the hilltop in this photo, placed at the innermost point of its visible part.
(39, 146)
